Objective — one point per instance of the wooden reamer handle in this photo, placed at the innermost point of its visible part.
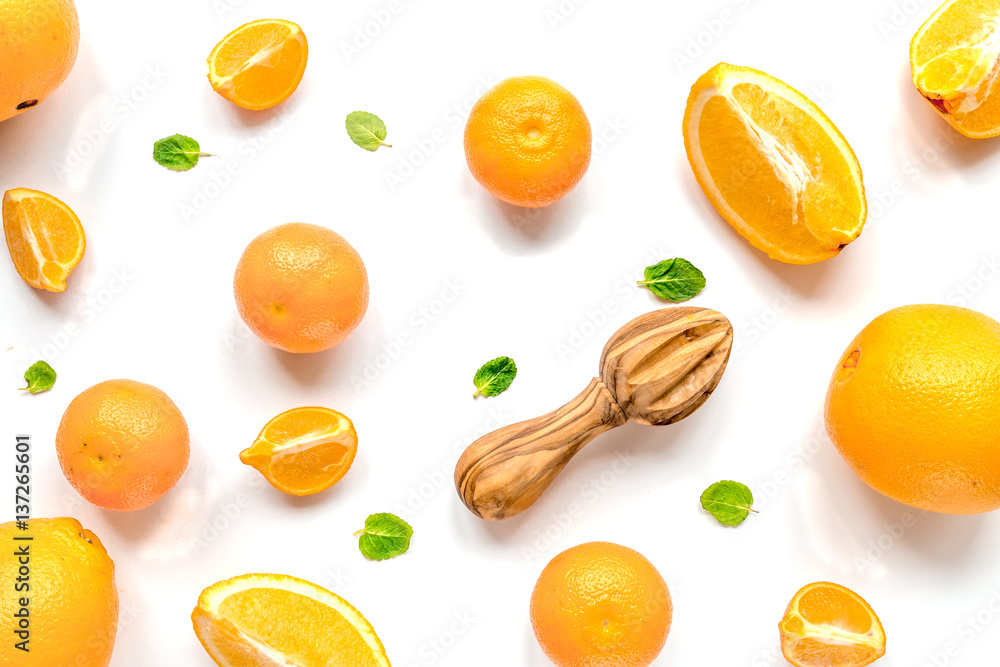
(504, 472)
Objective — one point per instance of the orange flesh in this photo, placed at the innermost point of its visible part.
(773, 165)
(329, 632)
(259, 65)
(274, 620)
(305, 450)
(827, 624)
(955, 59)
(44, 237)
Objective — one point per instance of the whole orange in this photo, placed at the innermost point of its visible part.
(601, 605)
(914, 408)
(39, 40)
(122, 444)
(528, 141)
(68, 581)
(301, 288)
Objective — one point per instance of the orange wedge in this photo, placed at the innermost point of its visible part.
(274, 620)
(955, 60)
(827, 625)
(304, 451)
(260, 64)
(773, 165)
(44, 236)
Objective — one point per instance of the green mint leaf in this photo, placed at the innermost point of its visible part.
(366, 130)
(178, 152)
(384, 536)
(674, 280)
(494, 377)
(729, 502)
(40, 377)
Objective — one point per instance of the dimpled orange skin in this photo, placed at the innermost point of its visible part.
(914, 408)
(600, 604)
(73, 600)
(301, 287)
(123, 444)
(528, 141)
(39, 40)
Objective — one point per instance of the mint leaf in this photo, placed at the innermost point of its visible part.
(674, 280)
(729, 502)
(40, 377)
(178, 152)
(384, 536)
(494, 377)
(366, 130)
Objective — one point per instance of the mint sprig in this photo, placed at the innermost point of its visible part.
(729, 502)
(384, 536)
(40, 377)
(494, 377)
(366, 130)
(178, 152)
(674, 280)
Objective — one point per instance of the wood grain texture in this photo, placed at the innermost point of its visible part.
(657, 369)
(504, 472)
(662, 366)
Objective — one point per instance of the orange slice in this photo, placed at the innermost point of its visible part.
(304, 451)
(827, 625)
(44, 236)
(955, 60)
(773, 165)
(260, 64)
(274, 620)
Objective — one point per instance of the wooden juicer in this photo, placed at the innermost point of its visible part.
(656, 370)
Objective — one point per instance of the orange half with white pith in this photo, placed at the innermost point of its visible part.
(260, 64)
(955, 61)
(44, 237)
(275, 620)
(773, 165)
(828, 625)
(304, 451)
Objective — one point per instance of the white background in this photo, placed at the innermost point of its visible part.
(547, 289)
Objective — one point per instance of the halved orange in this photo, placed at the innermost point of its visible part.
(304, 450)
(260, 64)
(274, 620)
(773, 165)
(44, 236)
(829, 625)
(955, 61)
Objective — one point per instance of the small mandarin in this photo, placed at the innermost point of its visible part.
(301, 288)
(601, 604)
(123, 444)
(528, 141)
